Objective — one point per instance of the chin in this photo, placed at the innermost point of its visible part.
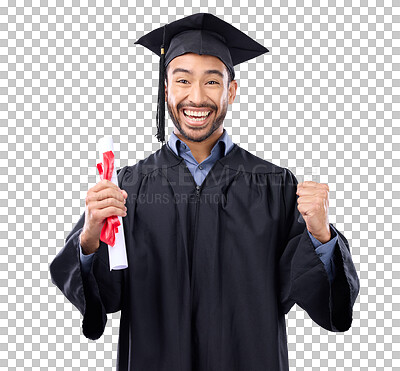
(197, 127)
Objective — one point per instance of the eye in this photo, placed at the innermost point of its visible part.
(215, 82)
(181, 80)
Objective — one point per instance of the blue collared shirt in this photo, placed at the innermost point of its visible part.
(199, 171)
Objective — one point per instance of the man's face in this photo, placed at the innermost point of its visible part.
(199, 84)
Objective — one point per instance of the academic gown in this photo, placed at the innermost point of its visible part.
(213, 269)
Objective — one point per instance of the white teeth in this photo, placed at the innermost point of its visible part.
(198, 114)
(198, 119)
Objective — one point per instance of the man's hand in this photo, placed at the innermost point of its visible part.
(313, 204)
(103, 200)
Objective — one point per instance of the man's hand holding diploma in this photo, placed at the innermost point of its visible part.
(103, 200)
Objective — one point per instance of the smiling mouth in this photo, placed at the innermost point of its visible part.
(194, 120)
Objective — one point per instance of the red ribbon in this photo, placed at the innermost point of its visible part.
(111, 224)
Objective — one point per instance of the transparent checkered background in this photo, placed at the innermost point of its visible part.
(324, 102)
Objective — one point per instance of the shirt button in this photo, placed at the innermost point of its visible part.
(319, 254)
(200, 167)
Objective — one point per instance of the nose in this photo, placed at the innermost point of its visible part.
(197, 93)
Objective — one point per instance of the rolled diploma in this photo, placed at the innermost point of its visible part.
(117, 253)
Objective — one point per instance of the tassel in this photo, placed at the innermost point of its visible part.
(160, 118)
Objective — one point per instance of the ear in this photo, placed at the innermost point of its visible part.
(166, 91)
(232, 91)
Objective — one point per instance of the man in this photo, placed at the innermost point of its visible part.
(220, 243)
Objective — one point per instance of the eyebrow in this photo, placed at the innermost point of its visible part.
(208, 72)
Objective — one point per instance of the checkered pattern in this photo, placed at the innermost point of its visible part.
(321, 103)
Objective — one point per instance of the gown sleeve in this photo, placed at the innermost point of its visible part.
(302, 276)
(95, 293)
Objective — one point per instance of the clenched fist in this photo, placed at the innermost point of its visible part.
(313, 205)
(102, 200)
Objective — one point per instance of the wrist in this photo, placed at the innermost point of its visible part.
(323, 237)
(88, 246)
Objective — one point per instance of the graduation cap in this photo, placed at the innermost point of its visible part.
(201, 33)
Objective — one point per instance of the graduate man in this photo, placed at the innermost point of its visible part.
(220, 243)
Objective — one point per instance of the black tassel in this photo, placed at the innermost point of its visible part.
(161, 97)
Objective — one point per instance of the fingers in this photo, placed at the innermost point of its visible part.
(312, 190)
(101, 214)
(105, 193)
(307, 194)
(309, 184)
(105, 189)
(107, 202)
(105, 199)
(104, 184)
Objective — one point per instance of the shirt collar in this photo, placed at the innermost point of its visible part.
(179, 146)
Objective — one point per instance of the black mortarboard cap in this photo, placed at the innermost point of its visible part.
(201, 33)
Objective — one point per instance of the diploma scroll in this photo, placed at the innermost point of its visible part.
(117, 253)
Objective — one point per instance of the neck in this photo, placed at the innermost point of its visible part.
(201, 150)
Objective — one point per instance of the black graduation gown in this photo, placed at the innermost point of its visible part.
(213, 269)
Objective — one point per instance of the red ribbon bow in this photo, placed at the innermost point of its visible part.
(111, 224)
